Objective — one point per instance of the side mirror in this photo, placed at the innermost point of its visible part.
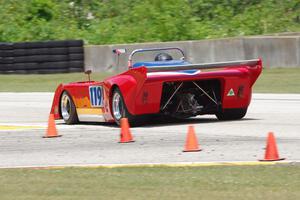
(88, 72)
(119, 51)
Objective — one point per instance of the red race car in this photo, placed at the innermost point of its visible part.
(165, 86)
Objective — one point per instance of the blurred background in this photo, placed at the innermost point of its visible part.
(135, 21)
(62, 36)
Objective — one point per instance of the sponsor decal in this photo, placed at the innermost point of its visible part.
(230, 93)
(96, 96)
(183, 72)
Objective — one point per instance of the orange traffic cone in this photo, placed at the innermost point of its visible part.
(271, 153)
(191, 144)
(126, 136)
(51, 130)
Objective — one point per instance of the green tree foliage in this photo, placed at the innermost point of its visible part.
(120, 21)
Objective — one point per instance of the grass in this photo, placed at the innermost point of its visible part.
(280, 80)
(222, 182)
(42, 82)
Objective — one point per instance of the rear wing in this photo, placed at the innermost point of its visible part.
(228, 64)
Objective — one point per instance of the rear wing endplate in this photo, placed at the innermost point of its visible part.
(227, 64)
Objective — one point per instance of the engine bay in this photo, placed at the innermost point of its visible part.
(190, 98)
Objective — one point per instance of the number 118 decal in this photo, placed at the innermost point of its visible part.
(96, 96)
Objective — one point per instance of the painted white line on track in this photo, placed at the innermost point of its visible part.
(270, 96)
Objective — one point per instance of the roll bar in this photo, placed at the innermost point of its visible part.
(152, 49)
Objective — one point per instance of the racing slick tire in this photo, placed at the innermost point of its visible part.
(232, 114)
(119, 109)
(68, 109)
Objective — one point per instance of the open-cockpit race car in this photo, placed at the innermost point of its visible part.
(165, 86)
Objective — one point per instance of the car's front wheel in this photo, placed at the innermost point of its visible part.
(119, 109)
(68, 109)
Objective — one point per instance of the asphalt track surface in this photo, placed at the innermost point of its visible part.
(23, 122)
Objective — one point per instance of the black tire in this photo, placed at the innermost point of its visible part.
(23, 52)
(74, 43)
(123, 112)
(41, 58)
(76, 64)
(6, 46)
(55, 43)
(75, 49)
(76, 56)
(6, 53)
(41, 51)
(232, 114)
(6, 67)
(28, 45)
(68, 109)
(58, 51)
(54, 65)
(25, 66)
(6, 60)
(43, 44)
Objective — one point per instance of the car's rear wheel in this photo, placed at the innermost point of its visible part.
(119, 109)
(68, 109)
(232, 114)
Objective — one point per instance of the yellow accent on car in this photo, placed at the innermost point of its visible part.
(89, 111)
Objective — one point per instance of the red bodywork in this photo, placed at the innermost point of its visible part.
(142, 91)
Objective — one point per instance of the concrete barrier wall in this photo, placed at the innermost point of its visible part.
(276, 51)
